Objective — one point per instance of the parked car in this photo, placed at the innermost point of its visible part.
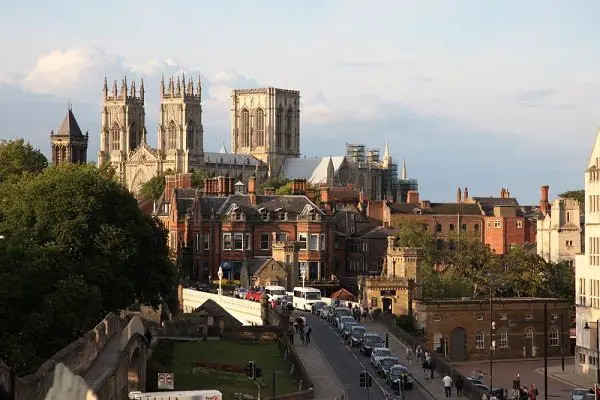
(356, 335)
(369, 342)
(240, 293)
(325, 312)
(475, 381)
(250, 294)
(385, 363)
(579, 393)
(347, 329)
(344, 319)
(378, 353)
(499, 393)
(202, 287)
(317, 307)
(286, 300)
(341, 312)
(395, 374)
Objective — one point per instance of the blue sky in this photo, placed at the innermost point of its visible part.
(482, 94)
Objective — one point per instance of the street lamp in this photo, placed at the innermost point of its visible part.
(220, 275)
(587, 328)
(303, 274)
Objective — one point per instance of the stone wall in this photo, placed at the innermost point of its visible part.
(253, 334)
(77, 356)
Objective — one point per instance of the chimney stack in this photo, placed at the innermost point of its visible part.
(269, 191)
(252, 185)
(412, 197)
(502, 193)
(544, 203)
(458, 196)
(231, 189)
(466, 194)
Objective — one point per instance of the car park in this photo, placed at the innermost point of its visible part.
(356, 335)
(202, 287)
(344, 319)
(369, 342)
(385, 363)
(347, 329)
(378, 353)
(396, 374)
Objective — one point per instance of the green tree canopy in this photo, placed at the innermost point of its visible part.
(76, 246)
(198, 179)
(578, 195)
(18, 157)
(275, 183)
(153, 188)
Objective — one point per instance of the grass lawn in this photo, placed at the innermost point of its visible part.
(178, 357)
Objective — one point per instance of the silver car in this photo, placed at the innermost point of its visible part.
(579, 393)
(344, 320)
(378, 353)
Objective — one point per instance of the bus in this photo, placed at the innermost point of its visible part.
(274, 292)
(178, 395)
(304, 297)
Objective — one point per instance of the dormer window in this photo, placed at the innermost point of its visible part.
(238, 216)
(418, 211)
(281, 214)
(265, 216)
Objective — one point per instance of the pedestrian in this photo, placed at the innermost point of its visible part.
(447, 385)
(533, 392)
(291, 333)
(425, 367)
(419, 353)
(493, 396)
(459, 385)
(308, 333)
(409, 355)
(302, 335)
(432, 368)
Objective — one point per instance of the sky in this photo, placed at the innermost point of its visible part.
(477, 94)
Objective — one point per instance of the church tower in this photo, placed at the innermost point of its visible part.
(123, 124)
(265, 123)
(180, 131)
(68, 144)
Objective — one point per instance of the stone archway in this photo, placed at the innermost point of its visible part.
(134, 371)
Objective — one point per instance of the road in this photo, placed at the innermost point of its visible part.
(348, 363)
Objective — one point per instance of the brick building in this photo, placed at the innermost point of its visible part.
(219, 226)
(461, 328)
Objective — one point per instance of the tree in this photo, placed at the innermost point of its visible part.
(578, 195)
(18, 157)
(153, 188)
(76, 247)
(198, 179)
(275, 183)
(284, 189)
(524, 273)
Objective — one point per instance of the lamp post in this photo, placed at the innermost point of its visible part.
(220, 275)
(492, 341)
(303, 274)
(587, 328)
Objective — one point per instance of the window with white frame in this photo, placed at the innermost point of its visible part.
(264, 241)
(595, 293)
(581, 292)
(489, 224)
(437, 318)
(302, 239)
(227, 241)
(247, 241)
(238, 241)
(528, 316)
(497, 223)
(479, 340)
(519, 223)
(281, 237)
(437, 340)
(503, 338)
(313, 245)
(503, 317)
(554, 338)
(323, 247)
(206, 240)
(479, 317)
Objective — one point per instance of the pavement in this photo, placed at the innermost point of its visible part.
(103, 367)
(347, 363)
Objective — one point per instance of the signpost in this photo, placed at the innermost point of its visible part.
(166, 381)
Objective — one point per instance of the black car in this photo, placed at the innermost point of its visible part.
(202, 287)
(369, 342)
(356, 334)
(316, 307)
(385, 364)
(398, 376)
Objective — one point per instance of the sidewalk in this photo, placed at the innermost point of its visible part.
(327, 384)
(434, 387)
(568, 377)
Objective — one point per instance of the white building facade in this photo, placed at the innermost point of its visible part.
(587, 272)
(559, 232)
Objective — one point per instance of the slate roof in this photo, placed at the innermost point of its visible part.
(313, 169)
(379, 232)
(215, 310)
(255, 264)
(69, 127)
(211, 204)
(292, 204)
(185, 200)
(234, 159)
(488, 204)
(437, 208)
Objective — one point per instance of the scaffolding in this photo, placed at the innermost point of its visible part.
(404, 185)
(355, 152)
(373, 155)
(390, 182)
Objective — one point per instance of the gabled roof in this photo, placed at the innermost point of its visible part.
(292, 204)
(69, 127)
(313, 169)
(488, 204)
(379, 232)
(436, 209)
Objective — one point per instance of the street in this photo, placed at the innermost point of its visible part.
(348, 363)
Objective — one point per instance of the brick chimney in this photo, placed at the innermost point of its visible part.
(303, 186)
(324, 193)
(412, 197)
(231, 189)
(184, 180)
(502, 193)
(269, 191)
(425, 204)
(221, 186)
(458, 196)
(252, 185)
(466, 194)
(544, 203)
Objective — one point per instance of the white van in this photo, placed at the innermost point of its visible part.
(304, 297)
(274, 292)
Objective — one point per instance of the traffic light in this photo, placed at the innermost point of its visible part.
(250, 369)
(369, 380)
(257, 372)
(363, 379)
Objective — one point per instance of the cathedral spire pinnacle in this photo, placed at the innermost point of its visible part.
(114, 90)
(183, 85)
(124, 87)
(404, 173)
(142, 89)
(386, 151)
(105, 88)
(178, 86)
(171, 87)
(199, 87)
(69, 105)
(162, 85)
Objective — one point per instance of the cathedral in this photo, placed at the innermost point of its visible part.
(265, 140)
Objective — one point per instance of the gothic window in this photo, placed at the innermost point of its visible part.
(172, 136)
(289, 128)
(134, 141)
(260, 127)
(245, 128)
(279, 127)
(115, 137)
(190, 135)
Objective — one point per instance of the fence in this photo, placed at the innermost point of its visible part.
(306, 386)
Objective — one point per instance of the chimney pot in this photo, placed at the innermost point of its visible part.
(252, 185)
(458, 195)
(466, 193)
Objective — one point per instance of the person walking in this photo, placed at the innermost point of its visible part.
(308, 333)
(409, 355)
(419, 353)
(533, 392)
(459, 385)
(447, 385)
(432, 367)
(291, 333)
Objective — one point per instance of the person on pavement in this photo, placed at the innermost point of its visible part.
(533, 392)
(459, 385)
(425, 367)
(493, 397)
(308, 332)
(484, 396)
(291, 333)
(419, 352)
(432, 368)
(447, 385)
(409, 354)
